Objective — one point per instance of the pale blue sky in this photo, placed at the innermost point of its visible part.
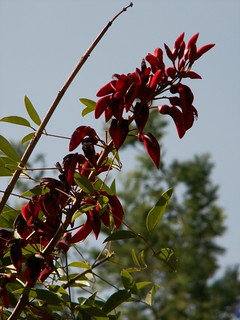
(41, 41)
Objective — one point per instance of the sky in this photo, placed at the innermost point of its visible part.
(42, 41)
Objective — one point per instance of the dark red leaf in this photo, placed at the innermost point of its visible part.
(102, 105)
(118, 132)
(203, 50)
(169, 53)
(83, 232)
(33, 269)
(107, 89)
(178, 41)
(193, 40)
(117, 210)
(4, 297)
(16, 255)
(152, 146)
(156, 79)
(79, 134)
(177, 116)
(141, 114)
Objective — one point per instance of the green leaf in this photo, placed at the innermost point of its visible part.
(142, 284)
(31, 111)
(77, 264)
(4, 168)
(101, 185)
(135, 259)
(116, 299)
(44, 295)
(8, 149)
(16, 120)
(168, 256)
(83, 183)
(94, 312)
(27, 137)
(8, 217)
(128, 281)
(35, 191)
(90, 106)
(103, 203)
(158, 210)
(120, 235)
(151, 294)
(113, 187)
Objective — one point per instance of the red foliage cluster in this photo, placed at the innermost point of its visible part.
(134, 94)
(125, 99)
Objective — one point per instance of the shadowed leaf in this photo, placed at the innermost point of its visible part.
(158, 210)
(8, 150)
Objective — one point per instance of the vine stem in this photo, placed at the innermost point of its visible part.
(23, 300)
(50, 112)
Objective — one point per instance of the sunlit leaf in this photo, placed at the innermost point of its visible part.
(143, 284)
(116, 299)
(135, 259)
(102, 203)
(31, 111)
(40, 190)
(90, 106)
(78, 264)
(84, 183)
(120, 235)
(168, 256)
(8, 149)
(151, 294)
(158, 210)
(16, 120)
(101, 185)
(7, 217)
(113, 187)
(27, 137)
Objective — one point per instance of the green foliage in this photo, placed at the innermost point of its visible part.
(158, 210)
(8, 149)
(90, 106)
(32, 111)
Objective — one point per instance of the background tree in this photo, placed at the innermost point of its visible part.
(190, 227)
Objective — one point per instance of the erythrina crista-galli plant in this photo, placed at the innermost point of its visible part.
(58, 213)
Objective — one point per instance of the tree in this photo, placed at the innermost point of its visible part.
(190, 226)
(60, 212)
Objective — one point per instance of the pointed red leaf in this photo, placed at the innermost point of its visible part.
(152, 146)
(107, 89)
(118, 132)
(79, 134)
(83, 232)
(204, 49)
(102, 105)
(141, 114)
(177, 116)
(178, 41)
(16, 255)
(117, 210)
(193, 40)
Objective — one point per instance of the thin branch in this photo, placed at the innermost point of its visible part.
(50, 112)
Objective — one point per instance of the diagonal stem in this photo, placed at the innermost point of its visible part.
(50, 112)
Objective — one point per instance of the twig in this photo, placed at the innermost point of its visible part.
(50, 112)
